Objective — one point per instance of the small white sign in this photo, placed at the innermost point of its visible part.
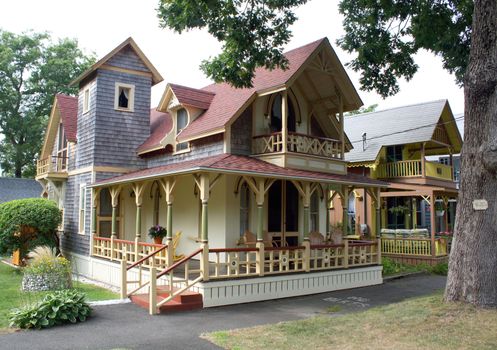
(480, 204)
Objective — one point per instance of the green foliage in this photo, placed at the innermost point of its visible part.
(32, 70)
(362, 110)
(54, 309)
(253, 33)
(386, 34)
(44, 263)
(157, 231)
(440, 269)
(40, 214)
(391, 267)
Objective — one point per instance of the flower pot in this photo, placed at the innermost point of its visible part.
(158, 240)
(440, 212)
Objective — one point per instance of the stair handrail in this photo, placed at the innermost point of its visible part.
(145, 258)
(178, 263)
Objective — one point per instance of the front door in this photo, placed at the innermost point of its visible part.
(283, 212)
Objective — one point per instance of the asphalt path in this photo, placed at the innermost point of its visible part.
(127, 326)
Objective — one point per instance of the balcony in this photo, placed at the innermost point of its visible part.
(298, 143)
(52, 167)
(414, 168)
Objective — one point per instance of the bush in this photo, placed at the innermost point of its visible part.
(54, 309)
(46, 271)
(440, 269)
(41, 215)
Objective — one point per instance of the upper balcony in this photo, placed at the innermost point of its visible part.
(417, 168)
(52, 167)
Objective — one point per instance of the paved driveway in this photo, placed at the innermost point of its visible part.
(127, 326)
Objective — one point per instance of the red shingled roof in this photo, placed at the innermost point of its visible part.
(228, 100)
(243, 164)
(68, 108)
(192, 97)
(160, 124)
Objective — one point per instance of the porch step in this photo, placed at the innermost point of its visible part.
(183, 302)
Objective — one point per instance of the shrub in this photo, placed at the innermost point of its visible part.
(41, 215)
(440, 269)
(46, 271)
(54, 309)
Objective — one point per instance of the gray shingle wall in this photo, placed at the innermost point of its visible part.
(127, 58)
(241, 134)
(202, 148)
(86, 129)
(118, 134)
(71, 240)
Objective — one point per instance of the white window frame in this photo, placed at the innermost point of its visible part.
(82, 209)
(86, 99)
(131, 97)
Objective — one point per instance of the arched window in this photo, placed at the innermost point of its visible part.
(277, 115)
(314, 212)
(244, 208)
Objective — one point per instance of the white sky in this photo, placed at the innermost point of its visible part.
(101, 25)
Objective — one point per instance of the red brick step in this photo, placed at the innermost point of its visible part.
(186, 301)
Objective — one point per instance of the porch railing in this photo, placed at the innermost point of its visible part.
(129, 251)
(413, 168)
(298, 143)
(52, 164)
(413, 246)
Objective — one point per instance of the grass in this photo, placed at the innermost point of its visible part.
(12, 297)
(420, 323)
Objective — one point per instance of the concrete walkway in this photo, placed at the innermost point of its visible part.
(127, 326)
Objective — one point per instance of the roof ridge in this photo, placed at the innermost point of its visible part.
(393, 108)
(191, 88)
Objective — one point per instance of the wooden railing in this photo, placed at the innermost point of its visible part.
(413, 246)
(234, 262)
(413, 168)
(129, 251)
(297, 143)
(52, 164)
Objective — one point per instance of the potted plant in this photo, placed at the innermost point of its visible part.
(157, 232)
(439, 209)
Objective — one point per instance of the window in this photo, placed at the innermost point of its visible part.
(277, 115)
(61, 163)
(181, 122)
(86, 100)
(394, 153)
(82, 208)
(314, 212)
(244, 208)
(104, 218)
(124, 98)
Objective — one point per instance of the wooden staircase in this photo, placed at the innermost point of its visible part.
(183, 302)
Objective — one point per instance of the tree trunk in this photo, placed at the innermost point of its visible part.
(473, 261)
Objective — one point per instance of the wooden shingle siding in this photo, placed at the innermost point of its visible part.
(86, 129)
(206, 147)
(118, 133)
(127, 58)
(241, 134)
(71, 240)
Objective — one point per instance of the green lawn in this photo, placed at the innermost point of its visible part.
(421, 323)
(11, 295)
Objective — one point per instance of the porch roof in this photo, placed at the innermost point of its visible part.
(243, 165)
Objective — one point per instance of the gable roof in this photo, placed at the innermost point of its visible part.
(156, 77)
(65, 110)
(160, 124)
(397, 126)
(192, 97)
(14, 188)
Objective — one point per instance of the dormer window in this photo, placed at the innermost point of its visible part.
(181, 123)
(124, 97)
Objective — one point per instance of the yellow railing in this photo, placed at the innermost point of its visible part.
(52, 164)
(297, 143)
(438, 170)
(413, 246)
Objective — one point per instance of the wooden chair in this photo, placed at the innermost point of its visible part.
(336, 236)
(175, 243)
(249, 239)
(316, 238)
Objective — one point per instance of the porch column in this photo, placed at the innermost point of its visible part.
(378, 212)
(284, 120)
(138, 191)
(204, 197)
(451, 163)
(168, 187)
(95, 198)
(345, 204)
(259, 198)
(328, 208)
(423, 160)
(433, 223)
(306, 199)
(341, 123)
(114, 194)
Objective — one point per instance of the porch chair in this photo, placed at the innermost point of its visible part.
(316, 238)
(175, 243)
(249, 239)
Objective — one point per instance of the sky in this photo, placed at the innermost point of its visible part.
(99, 26)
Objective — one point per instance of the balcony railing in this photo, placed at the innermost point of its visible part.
(413, 168)
(298, 143)
(52, 164)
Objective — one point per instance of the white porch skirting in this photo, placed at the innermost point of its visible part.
(237, 291)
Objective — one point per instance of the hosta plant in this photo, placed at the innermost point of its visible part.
(66, 306)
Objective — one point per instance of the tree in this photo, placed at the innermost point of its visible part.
(385, 35)
(362, 110)
(32, 71)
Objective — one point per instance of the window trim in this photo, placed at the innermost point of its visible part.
(82, 209)
(176, 132)
(131, 99)
(86, 101)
